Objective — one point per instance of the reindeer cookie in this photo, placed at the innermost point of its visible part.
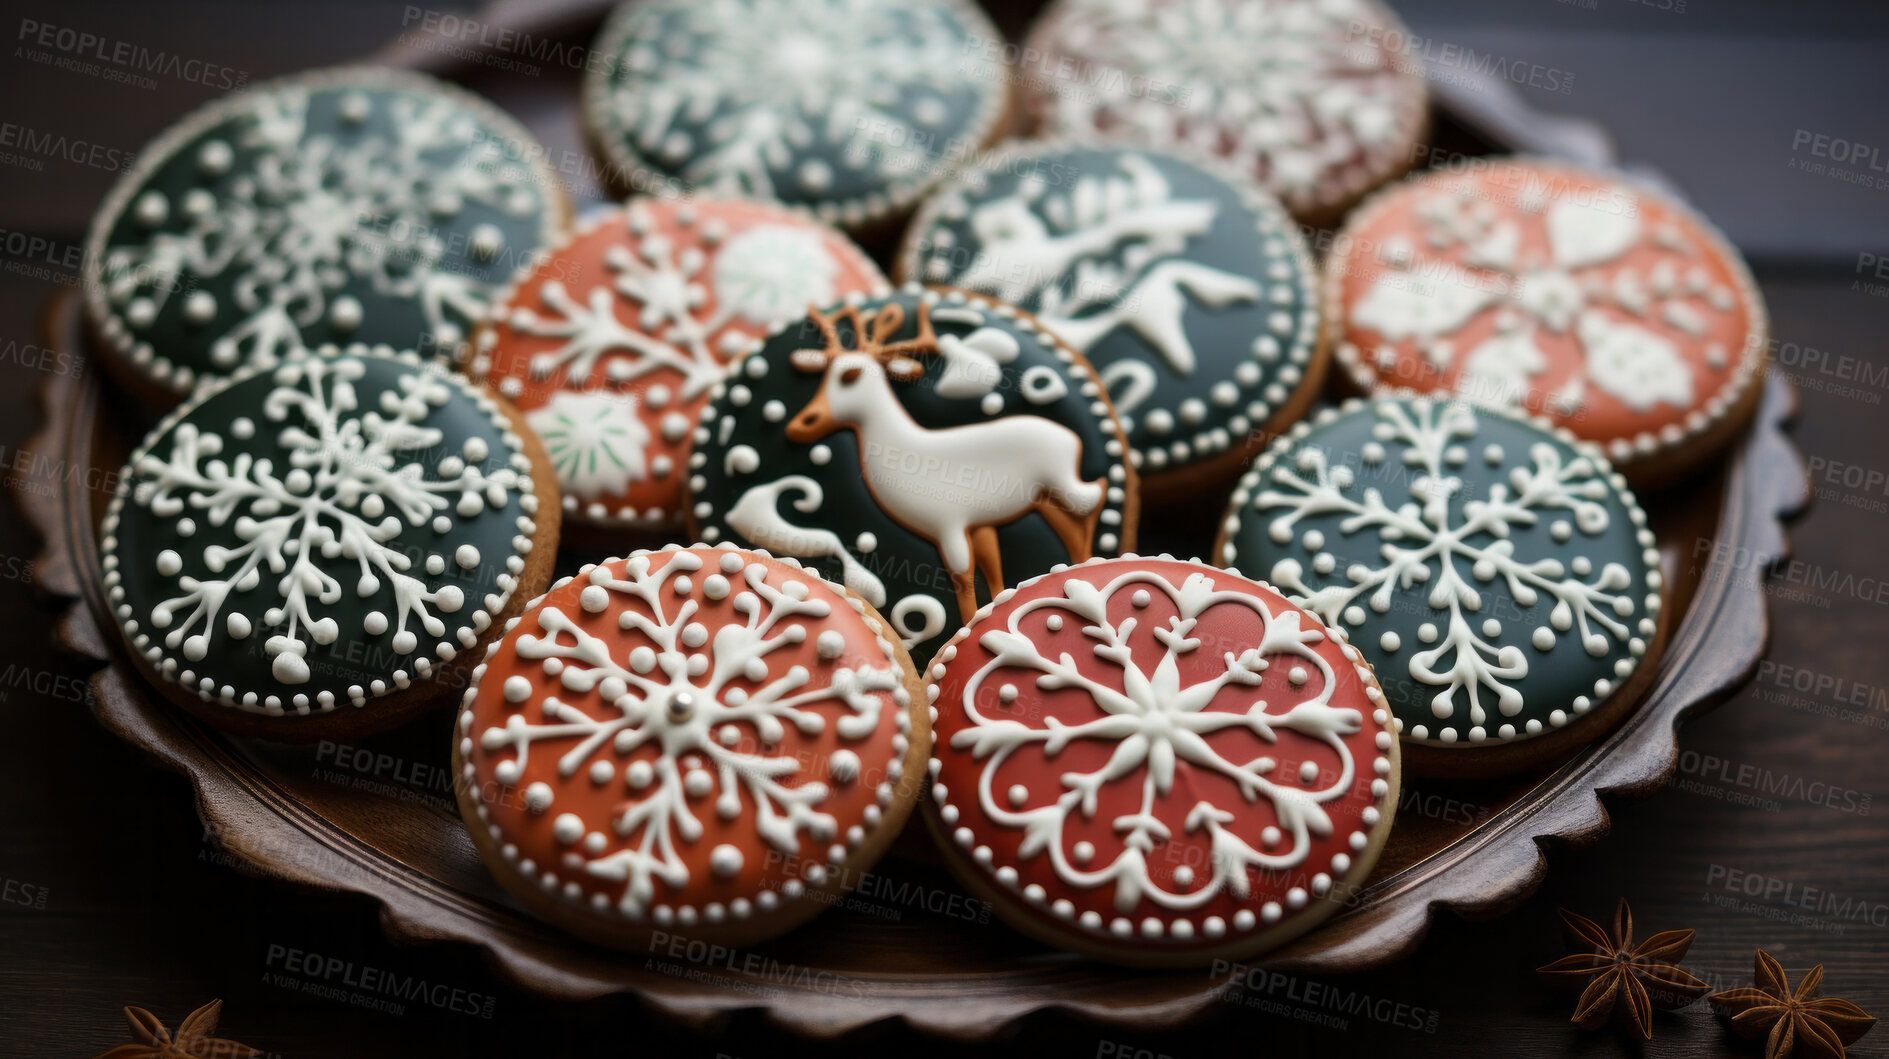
(926, 449)
(1158, 762)
(1190, 291)
(610, 343)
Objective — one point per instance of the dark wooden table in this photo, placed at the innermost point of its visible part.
(1772, 834)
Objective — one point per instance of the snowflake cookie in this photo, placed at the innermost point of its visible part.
(925, 449)
(349, 205)
(307, 538)
(699, 740)
(1191, 292)
(1317, 100)
(850, 109)
(1605, 306)
(1497, 573)
(1158, 762)
(611, 342)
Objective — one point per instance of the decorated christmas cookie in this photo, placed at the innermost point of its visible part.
(352, 205)
(925, 449)
(1192, 294)
(314, 548)
(1496, 572)
(698, 740)
(847, 108)
(611, 342)
(1158, 762)
(1317, 100)
(1607, 307)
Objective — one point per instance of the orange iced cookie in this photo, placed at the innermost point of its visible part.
(610, 342)
(699, 740)
(1606, 306)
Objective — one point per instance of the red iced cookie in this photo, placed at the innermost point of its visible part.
(1604, 305)
(610, 342)
(1158, 762)
(698, 740)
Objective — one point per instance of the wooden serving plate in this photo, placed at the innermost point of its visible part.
(378, 819)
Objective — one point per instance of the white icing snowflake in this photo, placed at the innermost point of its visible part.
(349, 492)
(661, 289)
(1422, 546)
(727, 93)
(314, 216)
(595, 440)
(680, 695)
(1157, 724)
(1629, 321)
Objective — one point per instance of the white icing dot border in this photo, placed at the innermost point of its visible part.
(113, 330)
(630, 166)
(1626, 452)
(1169, 928)
(1259, 401)
(476, 358)
(816, 872)
(1604, 686)
(1121, 499)
(472, 623)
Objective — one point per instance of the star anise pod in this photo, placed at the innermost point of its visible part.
(1798, 1023)
(1614, 974)
(193, 1037)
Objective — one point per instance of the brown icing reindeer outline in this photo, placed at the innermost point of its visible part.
(1033, 463)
